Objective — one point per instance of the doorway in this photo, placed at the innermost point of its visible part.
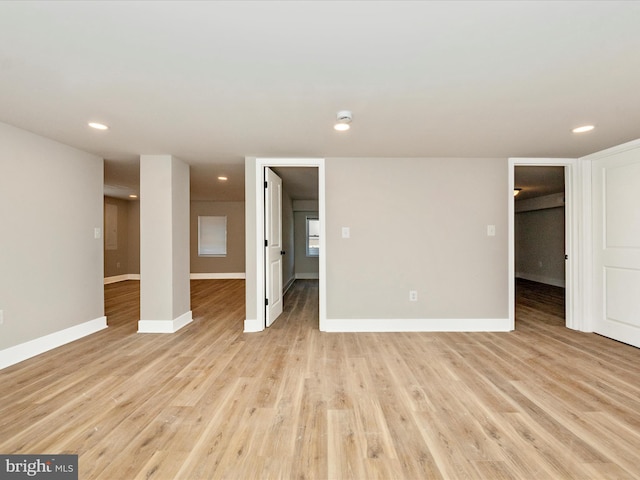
(538, 267)
(255, 264)
(300, 229)
(539, 240)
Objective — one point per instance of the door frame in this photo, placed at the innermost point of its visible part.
(574, 273)
(260, 165)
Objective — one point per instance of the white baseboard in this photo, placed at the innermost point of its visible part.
(164, 326)
(252, 325)
(193, 276)
(541, 279)
(417, 325)
(218, 276)
(288, 285)
(122, 278)
(307, 276)
(23, 351)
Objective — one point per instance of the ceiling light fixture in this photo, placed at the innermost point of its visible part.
(516, 191)
(133, 195)
(98, 126)
(583, 129)
(344, 119)
(223, 179)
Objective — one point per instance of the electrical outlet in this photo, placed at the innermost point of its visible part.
(413, 296)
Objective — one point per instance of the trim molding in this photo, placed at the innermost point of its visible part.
(288, 285)
(253, 325)
(574, 203)
(307, 276)
(217, 276)
(556, 282)
(192, 276)
(164, 326)
(418, 325)
(24, 351)
(258, 268)
(121, 278)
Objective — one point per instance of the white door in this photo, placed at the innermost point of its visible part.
(273, 237)
(616, 243)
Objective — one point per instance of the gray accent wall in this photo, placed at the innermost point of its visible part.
(51, 264)
(233, 262)
(116, 258)
(133, 237)
(416, 224)
(289, 259)
(540, 245)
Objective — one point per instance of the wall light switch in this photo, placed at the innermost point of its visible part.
(346, 232)
(97, 232)
(491, 230)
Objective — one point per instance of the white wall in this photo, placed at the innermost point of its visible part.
(51, 266)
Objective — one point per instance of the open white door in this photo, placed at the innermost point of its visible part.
(273, 253)
(616, 246)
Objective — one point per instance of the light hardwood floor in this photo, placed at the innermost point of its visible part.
(543, 402)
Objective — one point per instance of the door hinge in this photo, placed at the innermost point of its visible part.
(266, 302)
(266, 243)
(266, 185)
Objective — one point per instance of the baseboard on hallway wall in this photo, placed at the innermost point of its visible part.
(541, 279)
(24, 351)
(121, 278)
(307, 276)
(299, 276)
(192, 276)
(218, 276)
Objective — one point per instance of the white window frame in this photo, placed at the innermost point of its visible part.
(307, 236)
(212, 235)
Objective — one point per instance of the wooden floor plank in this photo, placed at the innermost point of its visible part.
(542, 402)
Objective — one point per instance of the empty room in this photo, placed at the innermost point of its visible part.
(319, 240)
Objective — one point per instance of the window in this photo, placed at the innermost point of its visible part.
(313, 236)
(212, 236)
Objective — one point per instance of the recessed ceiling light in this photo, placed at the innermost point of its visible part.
(98, 126)
(223, 179)
(583, 129)
(133, 195)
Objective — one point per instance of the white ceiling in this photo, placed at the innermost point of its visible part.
(213, 82)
